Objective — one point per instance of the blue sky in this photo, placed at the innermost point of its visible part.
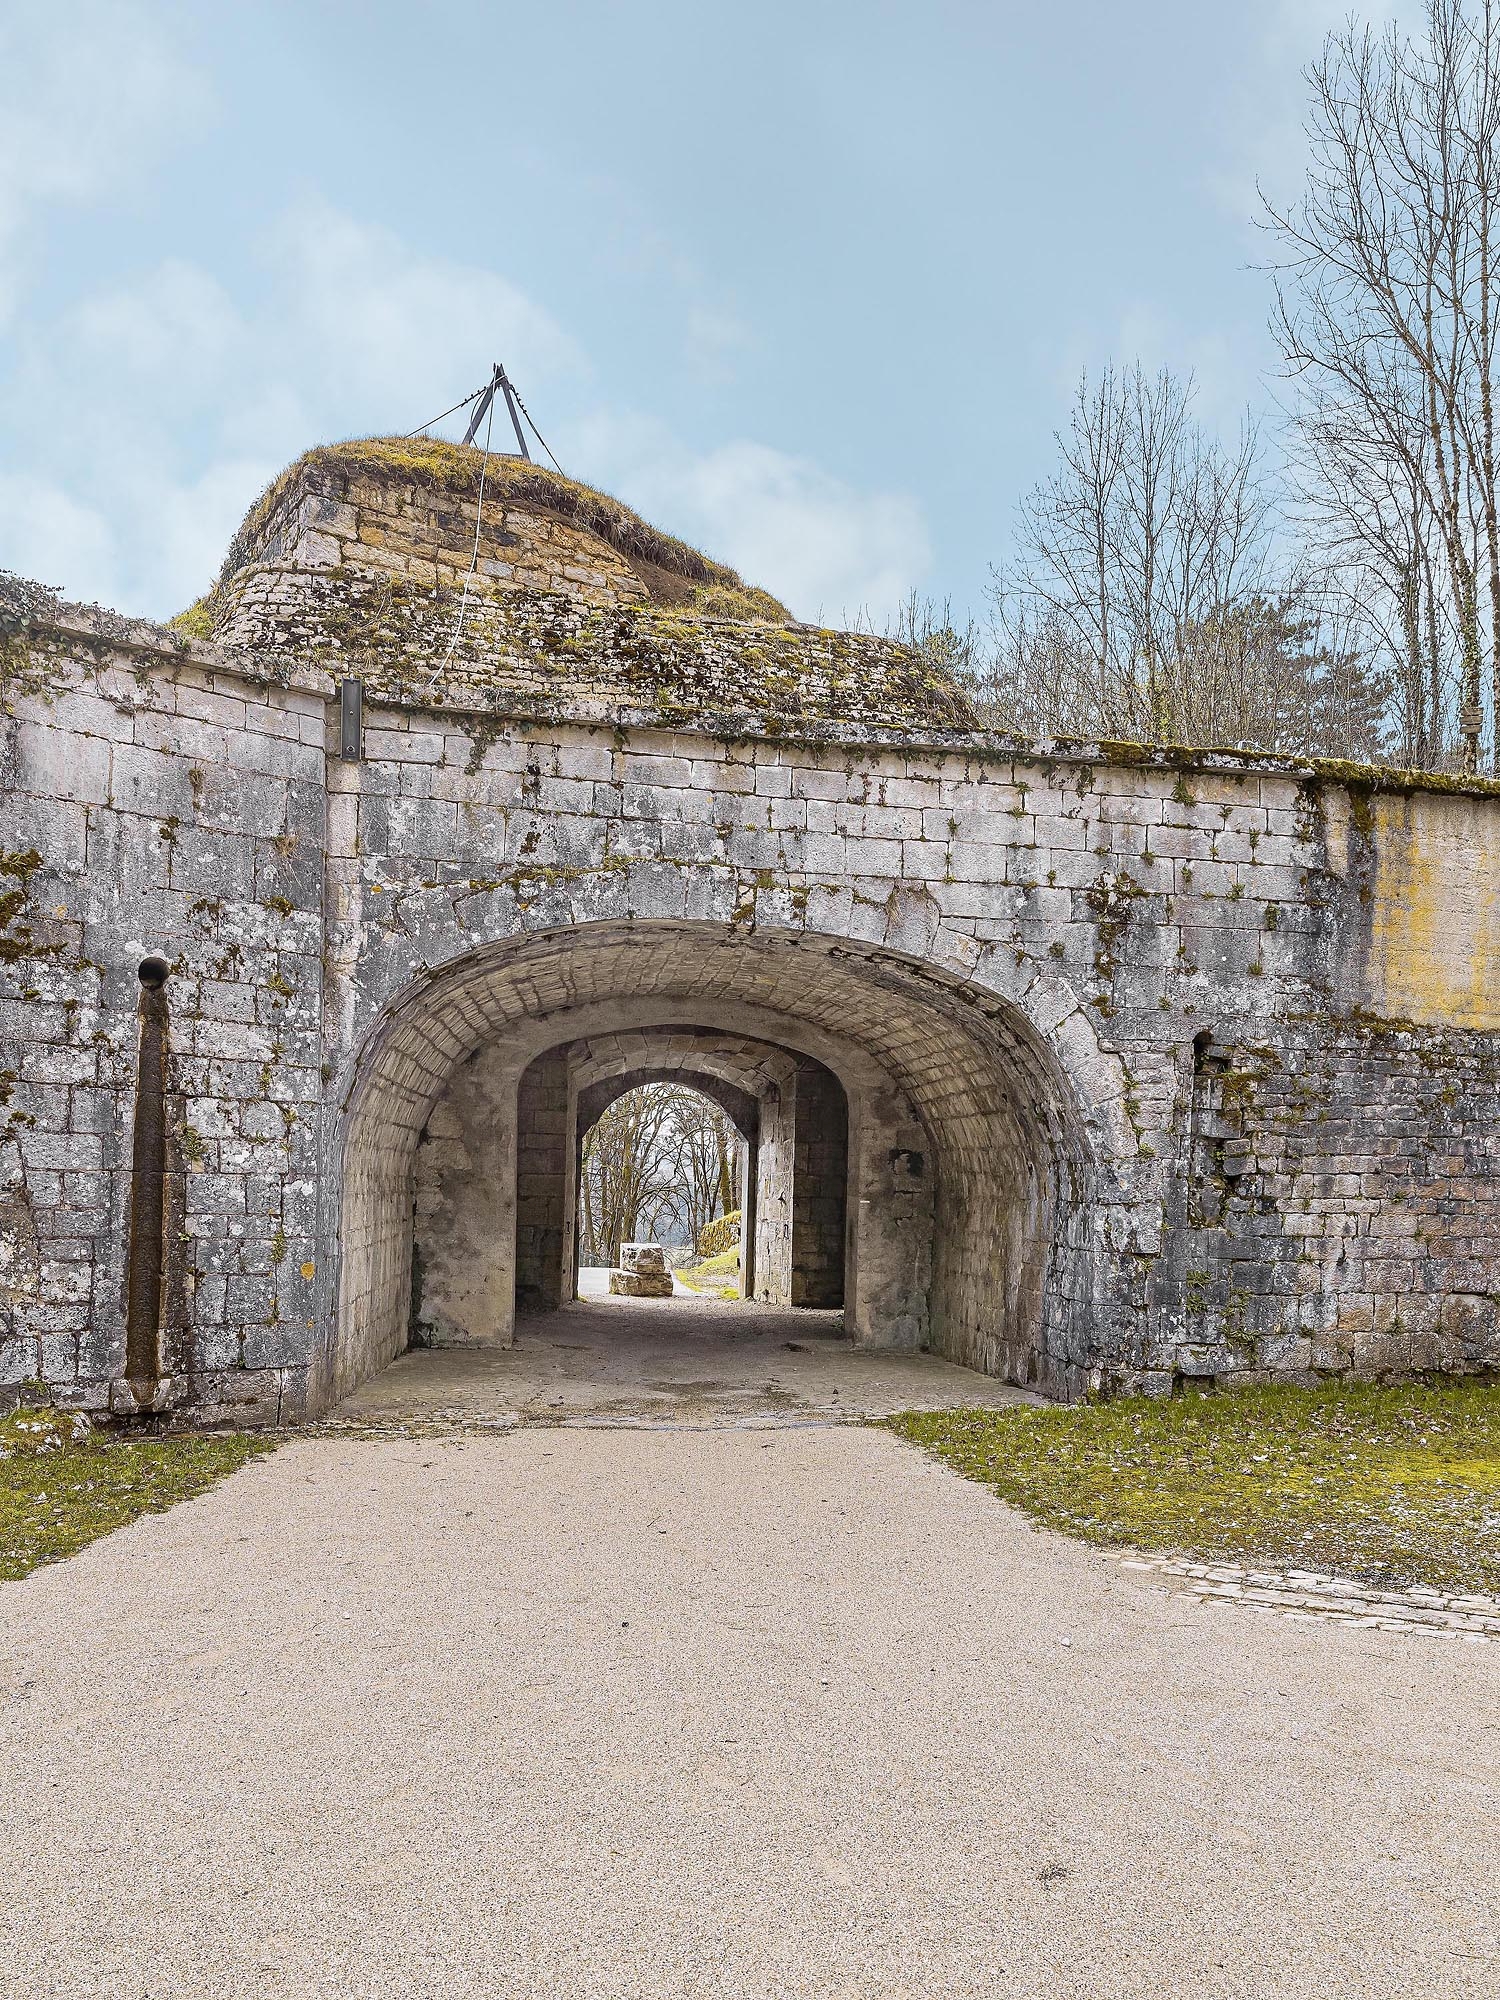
(810, 284)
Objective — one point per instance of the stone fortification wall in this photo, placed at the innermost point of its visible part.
(1255, 1001)
(152, 808)
(564, 656)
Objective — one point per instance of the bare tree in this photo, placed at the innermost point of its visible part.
(1151, 597)
(1364, 504)
(626, 1173)
(945, 639)
(706, 1153)
(1387, 313)
(660, 1161)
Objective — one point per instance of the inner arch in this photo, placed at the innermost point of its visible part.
(710, 1178)
(792, 1113)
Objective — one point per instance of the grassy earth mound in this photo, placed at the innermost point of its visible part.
(1391, 1485)
(673, 571)
(718, 1275)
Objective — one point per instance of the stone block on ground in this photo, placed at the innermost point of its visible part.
(641, 1284)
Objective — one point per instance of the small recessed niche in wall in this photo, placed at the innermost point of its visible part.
(1207, 1060)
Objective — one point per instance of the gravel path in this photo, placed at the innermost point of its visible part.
(715, 1713)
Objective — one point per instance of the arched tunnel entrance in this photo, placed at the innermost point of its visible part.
(917, 1153)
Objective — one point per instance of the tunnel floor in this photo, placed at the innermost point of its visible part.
(684, 1361)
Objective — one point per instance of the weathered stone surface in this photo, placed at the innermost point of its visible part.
(1154, 1066)
(1305, 1594)
(360, 557)
(636, 1283)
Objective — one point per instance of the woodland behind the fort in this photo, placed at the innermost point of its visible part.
(1326, 582)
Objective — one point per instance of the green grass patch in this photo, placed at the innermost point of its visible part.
(719, 1274)
(1395, 1486)
(60, 1491)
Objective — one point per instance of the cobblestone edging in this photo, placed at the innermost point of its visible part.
(1300, 1593)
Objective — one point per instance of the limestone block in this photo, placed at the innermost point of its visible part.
(316, 549)
(641, 1284)
(334, 517)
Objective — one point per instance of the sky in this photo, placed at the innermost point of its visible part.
(810, 284)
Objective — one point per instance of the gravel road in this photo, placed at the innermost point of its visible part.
(737, 1713)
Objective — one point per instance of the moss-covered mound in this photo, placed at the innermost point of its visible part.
(673, 571)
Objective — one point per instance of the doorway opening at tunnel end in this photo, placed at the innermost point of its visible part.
(658, 1203)
(722, 1173)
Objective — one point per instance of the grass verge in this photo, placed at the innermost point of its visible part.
(62, 1484)
(1395, 1486)
(719, 1275)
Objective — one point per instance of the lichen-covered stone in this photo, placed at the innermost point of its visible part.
(1159, 1066)
(370, 560)
(638, 1283)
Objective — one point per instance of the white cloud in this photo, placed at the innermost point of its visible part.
(392, 330)
(825, 547)
(828, 549)
(176, 328)
(715, 340)
(195, 401)
(48, 535)
(90, 95)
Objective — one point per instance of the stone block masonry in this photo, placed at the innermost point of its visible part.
(1156, 1067)
(209, 854)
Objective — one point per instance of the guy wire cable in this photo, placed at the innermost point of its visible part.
(463, 601)
(448, 413)
(535, 432)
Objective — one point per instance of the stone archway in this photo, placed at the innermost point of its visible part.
(970, 1224)
(742, 1110)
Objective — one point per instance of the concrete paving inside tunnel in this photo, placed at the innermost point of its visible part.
(685, 1360)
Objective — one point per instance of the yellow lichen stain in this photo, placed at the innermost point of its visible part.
(1434, 914)
(307, 1270)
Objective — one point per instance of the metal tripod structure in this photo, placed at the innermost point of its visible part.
(483, 401)
(501, 381)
